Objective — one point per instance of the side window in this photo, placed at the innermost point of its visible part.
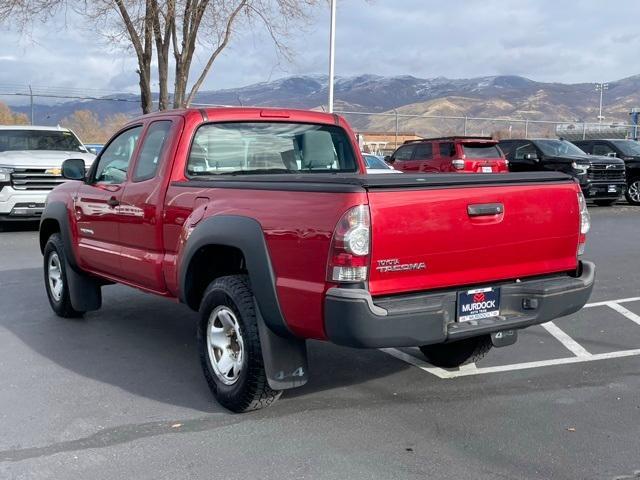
(525, 149)
(586, 147)
(507, 149)
(151, 150)
(424, 151)
(447, 149)
(404, 153)
(114, 161)
(603, 149)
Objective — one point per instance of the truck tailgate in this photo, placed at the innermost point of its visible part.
(449, 236)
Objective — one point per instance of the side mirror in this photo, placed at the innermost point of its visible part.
(73, 169)
(531, 156)
(389, 159)
(612, 154)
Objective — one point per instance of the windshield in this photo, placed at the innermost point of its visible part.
(558, 148)
(12, 140)
(481, 150)
(375, 163)
(628, 147)
(262, 147)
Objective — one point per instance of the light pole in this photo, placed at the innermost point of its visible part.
(332, 52)
(601, 87)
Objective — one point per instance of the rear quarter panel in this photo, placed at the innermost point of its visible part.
(297, 227)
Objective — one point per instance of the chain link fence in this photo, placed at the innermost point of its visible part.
(383, 132)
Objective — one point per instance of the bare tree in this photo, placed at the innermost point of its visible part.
(176, 29)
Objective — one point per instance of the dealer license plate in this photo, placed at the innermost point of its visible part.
(487, 169)
(478, 303)
(612, 189)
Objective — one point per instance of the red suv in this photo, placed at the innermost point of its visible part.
(450, 154)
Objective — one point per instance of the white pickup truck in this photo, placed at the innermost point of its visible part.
(30, 165)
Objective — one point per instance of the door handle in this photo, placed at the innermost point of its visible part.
(113, 202)
(485, 209)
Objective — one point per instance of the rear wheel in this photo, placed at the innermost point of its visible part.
(455, 354)
(229, 346)
(605, 203)
(55, 278)
(633, 192)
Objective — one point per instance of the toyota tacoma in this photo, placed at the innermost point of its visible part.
(266, 222)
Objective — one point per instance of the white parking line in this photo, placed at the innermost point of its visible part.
(580, 353)
(571, 345)
(607, 302)
(627, 313)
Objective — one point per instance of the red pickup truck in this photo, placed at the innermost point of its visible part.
(266, 222)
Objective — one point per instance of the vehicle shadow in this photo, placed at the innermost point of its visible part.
(147, 345)
(22, 226)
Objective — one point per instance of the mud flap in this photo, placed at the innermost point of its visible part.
(285, 359)
(84, 292)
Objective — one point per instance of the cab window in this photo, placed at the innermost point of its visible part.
(114, 162)
(151, 150)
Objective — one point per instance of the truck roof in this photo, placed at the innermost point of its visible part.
(251, 113)
(57, 128)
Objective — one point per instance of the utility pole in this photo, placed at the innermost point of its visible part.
(601, 87)
(332, 52)
(31, 98)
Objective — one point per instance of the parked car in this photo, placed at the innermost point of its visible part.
(376, 164)
(602, 178)
(30, 164)
(626, 150)
(265, 222)
(94, 148)
(450, 154)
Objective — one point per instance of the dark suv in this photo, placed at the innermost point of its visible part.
(628, 151)
(602, 178)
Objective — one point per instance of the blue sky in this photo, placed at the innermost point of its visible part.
(560, 41)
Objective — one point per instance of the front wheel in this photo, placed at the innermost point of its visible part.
(229, 346)
(633, 192)
(55, 278)
(455, 354)
(605, 203)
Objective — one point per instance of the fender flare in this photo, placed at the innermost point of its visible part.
(58, 211)
(84, 291)
(245, 234)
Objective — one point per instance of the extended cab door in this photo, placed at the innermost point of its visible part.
(97, 202)
(140, 212)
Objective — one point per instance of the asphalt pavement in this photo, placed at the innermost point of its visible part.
(120, 395)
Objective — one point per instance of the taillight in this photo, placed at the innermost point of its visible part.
(457, 163)
(585, 223)
(350, 247)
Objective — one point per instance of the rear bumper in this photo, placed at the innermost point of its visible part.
(354, 319)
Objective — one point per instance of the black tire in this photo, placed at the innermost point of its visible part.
(250, 389)
(633, 191)
(605, 203)
(455, 354)
(59, 300)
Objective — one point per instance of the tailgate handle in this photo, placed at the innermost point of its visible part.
(485, 209)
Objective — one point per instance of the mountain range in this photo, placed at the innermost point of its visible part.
(492, 96)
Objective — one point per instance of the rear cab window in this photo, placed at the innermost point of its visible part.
(269, 148)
